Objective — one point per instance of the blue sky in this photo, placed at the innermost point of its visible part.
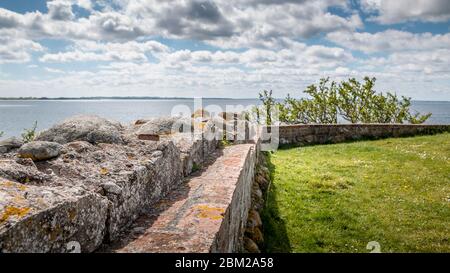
(223, 48)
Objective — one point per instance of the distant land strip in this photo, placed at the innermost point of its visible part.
(115, 98)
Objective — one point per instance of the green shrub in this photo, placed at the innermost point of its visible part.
(359, 102)
(354, 101)
(29, 134)
(196, 167)
(224, 143)
(268, 106)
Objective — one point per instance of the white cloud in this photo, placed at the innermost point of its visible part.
(432, 62)
(15, 49)
(224, 23)
(86, 4)
(85, 51)
(390, 11)
(53, 70)
(259, 44)
(269, 26)
(389, 40)
(60, 10)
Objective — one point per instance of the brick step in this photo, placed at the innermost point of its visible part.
(205, 214)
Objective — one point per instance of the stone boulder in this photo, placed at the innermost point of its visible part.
(165, 126)
(81, 147)
(92, 129)
(191, 149)
(9, 144)
(254, 225)
(23, 173)
(250, 246)
(47, 219)
(40, 150)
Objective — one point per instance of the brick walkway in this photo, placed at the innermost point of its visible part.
(191, 217)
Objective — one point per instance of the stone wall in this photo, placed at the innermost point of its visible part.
(335, 133)
(207, 213)
(230, 237)
(86, 180)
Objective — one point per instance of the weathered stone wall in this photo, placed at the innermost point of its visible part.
(335, 133)
(230, 237)
(208, 213)
(85, 181)
(47, 219)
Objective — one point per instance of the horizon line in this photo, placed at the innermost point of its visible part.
(148, 98)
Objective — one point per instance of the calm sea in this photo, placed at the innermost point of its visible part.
(20, 114)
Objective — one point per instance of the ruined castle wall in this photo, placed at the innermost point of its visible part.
(90, 188)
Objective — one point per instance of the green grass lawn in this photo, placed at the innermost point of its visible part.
(337, 198)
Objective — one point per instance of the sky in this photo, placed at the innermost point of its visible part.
(222, 48)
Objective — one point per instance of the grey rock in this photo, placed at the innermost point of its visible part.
(40, 150)
(22, 173)
(165, 126)
(92, 129)
(255, 235)
(47, 219)
(156, 154)
(112, 188)
(25, 162)
(254, 219)
(250, 246)
(257, 197)
(191, 148)
(81, 146)
(9, 144)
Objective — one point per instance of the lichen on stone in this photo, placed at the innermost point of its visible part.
(10, 211)
(213, 213)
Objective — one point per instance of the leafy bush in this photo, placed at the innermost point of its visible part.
(268, 104)
(319, 108)
(354, 101)
(29, 134)
(359, 102)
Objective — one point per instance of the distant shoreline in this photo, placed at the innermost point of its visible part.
(141, 98)
(116, 98)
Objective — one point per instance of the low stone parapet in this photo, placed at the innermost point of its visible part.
(308, 134)
(206, 214)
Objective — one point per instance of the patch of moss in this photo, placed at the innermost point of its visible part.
(225, 143)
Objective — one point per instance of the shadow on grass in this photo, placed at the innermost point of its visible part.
(275, 234)
(429, 132)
